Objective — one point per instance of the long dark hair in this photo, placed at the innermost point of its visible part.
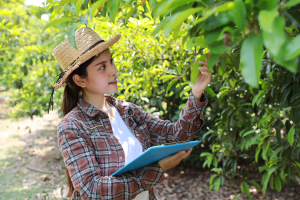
(70, 99)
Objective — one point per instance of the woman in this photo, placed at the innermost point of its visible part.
(99, 134)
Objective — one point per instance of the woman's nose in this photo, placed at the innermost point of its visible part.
(113, 69)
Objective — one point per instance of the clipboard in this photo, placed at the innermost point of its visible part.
(154, 154)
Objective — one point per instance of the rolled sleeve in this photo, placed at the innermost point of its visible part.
(190, 121)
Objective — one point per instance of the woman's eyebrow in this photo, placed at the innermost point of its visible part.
(103, 61)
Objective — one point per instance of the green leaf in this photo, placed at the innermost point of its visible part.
(223, 7)
(245, 188)
(199, 41)
(254, 100)
(251, 57)
(71, 35)
(293, 15)
(239, 14)
(295, 97)
(293, 48)
(210, 92)
(217, 184)
(205, 154)
(195, 71)
(114, 7)
(280, 58)
(189, 44)
(170, 85)
(256, 185)
(57, 21)
(177, 19)
(265, 182)
(275, 39)
(291, 135)
(71, 8)
(270, 171)
(258, 149)
(277, 184)
(234, 165)
(266, 4)
(161, 25)
(263, 168)
(167, 6)
(213, 58)
(274, 154)
(84, 19)
(78, 6)
(95, 7)
(166, 77)
(266, 19)
(248, 132)
(128, 15)
(212, 178)
(285, 94)
(291, 3)
(236, 196)
(215, 162)
(86, 3)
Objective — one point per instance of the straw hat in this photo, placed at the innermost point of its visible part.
(88, 43)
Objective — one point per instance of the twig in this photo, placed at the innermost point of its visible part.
(38, 170)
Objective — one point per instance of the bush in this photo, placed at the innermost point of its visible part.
(254, 96)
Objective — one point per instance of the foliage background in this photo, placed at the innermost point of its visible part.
(253, 113)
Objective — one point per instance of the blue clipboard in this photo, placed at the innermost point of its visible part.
(154, 154)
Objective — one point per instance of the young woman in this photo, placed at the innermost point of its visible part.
(99, 134)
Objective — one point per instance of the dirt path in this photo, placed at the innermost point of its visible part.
(31, 167)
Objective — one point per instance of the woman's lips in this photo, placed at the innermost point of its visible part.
(114, 82)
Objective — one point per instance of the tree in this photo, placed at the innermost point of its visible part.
(254, 95)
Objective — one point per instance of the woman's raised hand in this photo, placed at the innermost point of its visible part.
(202, 80)
(173, 160)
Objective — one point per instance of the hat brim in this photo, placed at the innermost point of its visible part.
(61, 81)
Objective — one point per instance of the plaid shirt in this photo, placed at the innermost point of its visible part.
(91, 152)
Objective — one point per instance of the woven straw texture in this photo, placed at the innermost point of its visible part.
(70, 58)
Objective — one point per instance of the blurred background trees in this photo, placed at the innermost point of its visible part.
(253, 115)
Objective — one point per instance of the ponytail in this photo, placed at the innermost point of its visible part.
(70, 100)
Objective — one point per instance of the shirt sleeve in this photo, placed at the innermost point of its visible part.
(190, 121)
(86, 175)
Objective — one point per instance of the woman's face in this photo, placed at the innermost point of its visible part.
(101, 73)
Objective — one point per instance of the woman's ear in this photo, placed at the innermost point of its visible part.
(79, 81)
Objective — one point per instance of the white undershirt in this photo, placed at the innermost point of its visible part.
(130, 144)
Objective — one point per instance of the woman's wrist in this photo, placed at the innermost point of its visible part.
(197, 95)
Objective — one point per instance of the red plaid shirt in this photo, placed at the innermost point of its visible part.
(91, 152)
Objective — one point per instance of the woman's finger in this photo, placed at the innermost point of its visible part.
(203, 68)
(207, 57)
(205, 72)
(188, 153)
(203, 63)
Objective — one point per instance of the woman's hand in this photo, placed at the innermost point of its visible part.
(173, 160)
(202, 80)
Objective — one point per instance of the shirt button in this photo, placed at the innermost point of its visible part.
(120, 157)
(106, 126)
(137, 134)
(116, 140)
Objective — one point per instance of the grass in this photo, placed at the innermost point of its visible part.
(11, 187)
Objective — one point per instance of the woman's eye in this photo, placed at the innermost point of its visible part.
(103, 67)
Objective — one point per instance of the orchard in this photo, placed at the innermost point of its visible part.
(253, 115)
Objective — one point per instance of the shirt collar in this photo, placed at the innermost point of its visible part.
(92, 111)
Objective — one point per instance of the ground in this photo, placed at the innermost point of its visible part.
(31, 167)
